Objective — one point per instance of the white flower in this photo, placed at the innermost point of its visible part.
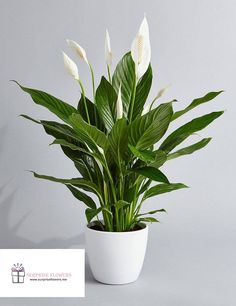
(141, 49)
(70, 66)
(97, 160)
(162, 92)
(108, 53)
(146, 109)
(78, 50)
(119, 105)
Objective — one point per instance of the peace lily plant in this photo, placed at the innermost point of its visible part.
(116, 143)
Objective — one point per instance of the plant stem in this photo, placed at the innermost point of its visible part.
(131, 108)
(105, 214)
(109, 74)
(94, 93)
(85, 104)
(93, 83)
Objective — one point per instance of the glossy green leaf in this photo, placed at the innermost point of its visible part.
(91, 213)
(208, 97)
(106, 98)
(190, 149)
(186, 130)
(162, 188)
(144, 155)
(81, 196)
(121, 204)
(72, 146)
(124, 74)
(78, 182)
(85, 164)
(142, 91)
(93, 113)
(118, 139)
(152, 212)
(68, 139)
(145, 186)
(57, 130)
(58, 107)
(146, 130)
(160, 159)
(87, 133)
(148, 219)
(152, 173)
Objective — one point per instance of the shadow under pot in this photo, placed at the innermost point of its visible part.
(116, 258)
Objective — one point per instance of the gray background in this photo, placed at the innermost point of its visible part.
(191, 254)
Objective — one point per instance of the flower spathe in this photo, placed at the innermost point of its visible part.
(70, 66)
(108, 53)
(78, 50)
(119, 105)
(141, 49)
(160, 93)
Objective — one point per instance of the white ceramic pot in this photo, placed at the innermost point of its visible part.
(116, 257)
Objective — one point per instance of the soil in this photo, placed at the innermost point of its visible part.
(96, 227)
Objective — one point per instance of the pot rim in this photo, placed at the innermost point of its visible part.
(144, 228)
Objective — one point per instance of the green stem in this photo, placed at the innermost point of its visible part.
(109, 73)
(85, 104)
(105, 214)
(131, 108)
(94, 94)
(93, 82)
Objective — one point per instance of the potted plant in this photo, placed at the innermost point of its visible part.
(118, 146)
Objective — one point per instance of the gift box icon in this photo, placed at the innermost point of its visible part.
(18, 273)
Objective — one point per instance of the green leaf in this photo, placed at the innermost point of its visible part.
(144, 155)
(152, 173)
(68, 139)
(160, 159)
(142, 91)
(152, 212)
(78, 182)
(72, 146)
(93, 113)
(121, 204)
(58, 107)
(146, 130)
(30, 118)
(118, 139)
(145, 187)
(57, 130)
(81, 196)
(190, 149)
(91, 213)
(162, 188)
(130, 194)
(88, 134)
(106, 103)
(85, 164)
(148, 219)
(124, 74)
(208, 97)
(186, 130)
(88, 159)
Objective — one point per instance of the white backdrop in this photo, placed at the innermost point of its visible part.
(191, 255)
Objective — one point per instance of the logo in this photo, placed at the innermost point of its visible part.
(18, 273)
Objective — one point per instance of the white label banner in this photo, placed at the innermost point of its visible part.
(42, 273)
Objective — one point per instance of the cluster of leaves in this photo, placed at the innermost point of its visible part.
(117, 159)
